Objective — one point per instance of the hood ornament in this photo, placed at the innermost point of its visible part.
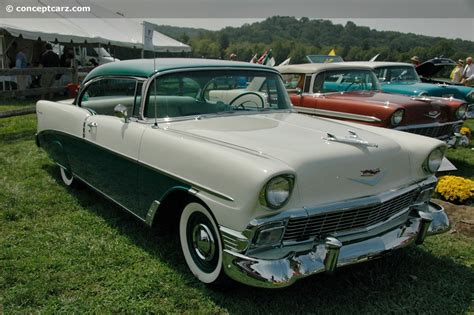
(352, 138)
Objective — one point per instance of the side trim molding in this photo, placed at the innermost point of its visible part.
(335, 114)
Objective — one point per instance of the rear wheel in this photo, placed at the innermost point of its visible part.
(66, 176)
(200, 242)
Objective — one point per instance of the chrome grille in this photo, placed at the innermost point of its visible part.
(321, 225)
(433, 132)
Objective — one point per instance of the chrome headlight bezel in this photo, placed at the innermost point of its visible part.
(397, 117)
(470, 97)
(461, 111)
(270, 191)
(433, 161)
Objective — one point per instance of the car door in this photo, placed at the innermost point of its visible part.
(113, 143)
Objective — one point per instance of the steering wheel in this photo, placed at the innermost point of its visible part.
(247, 98)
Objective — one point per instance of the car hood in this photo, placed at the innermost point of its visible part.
(433, 66)
(416, 88)
(299, 142)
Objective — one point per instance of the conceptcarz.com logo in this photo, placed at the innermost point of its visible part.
(47, 9)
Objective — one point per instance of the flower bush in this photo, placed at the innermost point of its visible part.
(455, 188)
(465, 131)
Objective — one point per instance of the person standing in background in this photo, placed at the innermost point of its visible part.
(48, 59)
(456, 74)
(415, 60)
(21, 63)
(468, 73)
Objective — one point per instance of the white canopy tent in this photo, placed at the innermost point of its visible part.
(113, 31)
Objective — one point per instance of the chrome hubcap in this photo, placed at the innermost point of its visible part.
(203, 242)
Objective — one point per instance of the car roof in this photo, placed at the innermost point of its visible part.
(147, 67)
(377, 64)
(317, 67)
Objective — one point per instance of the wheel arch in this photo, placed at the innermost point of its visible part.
(164, 215)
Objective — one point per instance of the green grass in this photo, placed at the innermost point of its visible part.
(15, 104)
(71, 251)
(463, 158)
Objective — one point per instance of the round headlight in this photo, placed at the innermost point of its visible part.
(397, 117)
(278, 191)
(433, 162)
(470, 97)
(461, 111)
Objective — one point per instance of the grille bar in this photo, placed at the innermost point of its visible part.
(321, 225)
(434, 132)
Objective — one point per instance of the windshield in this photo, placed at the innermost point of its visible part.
(345, 81)
(217, 91)
(396, 74)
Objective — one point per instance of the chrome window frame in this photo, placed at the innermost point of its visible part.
(118, 77)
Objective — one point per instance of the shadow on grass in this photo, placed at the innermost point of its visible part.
(409, 281)
(16, 136)
(465, 169)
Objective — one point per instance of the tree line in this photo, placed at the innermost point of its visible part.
(296, 38)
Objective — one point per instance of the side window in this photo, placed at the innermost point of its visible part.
(173, 96)
(103, 95)
(270, 89)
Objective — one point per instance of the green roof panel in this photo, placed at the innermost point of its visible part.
(146, 67)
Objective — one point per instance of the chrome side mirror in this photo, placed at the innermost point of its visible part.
(299, 91)
(121, 112)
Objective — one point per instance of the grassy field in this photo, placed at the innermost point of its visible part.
(69, 250)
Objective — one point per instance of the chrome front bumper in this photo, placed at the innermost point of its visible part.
(331, 253)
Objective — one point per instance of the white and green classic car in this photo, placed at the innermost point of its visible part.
(257, 192)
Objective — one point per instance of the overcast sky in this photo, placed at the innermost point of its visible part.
(445, 27)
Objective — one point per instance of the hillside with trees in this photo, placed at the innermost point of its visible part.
(296, 38)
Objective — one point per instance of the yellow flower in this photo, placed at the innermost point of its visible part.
(466, 131)
(455, 188)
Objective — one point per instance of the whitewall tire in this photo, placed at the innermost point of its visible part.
(200, 242)
(66, 176)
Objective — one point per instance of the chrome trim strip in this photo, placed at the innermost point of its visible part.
(151, 212)
(122, 77)
(222, 143)
(335, 114)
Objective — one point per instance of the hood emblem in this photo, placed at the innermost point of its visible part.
(367, 173)
(433, 114)
(369, 177)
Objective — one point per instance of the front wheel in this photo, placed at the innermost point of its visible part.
(201, 244)
(66, 176)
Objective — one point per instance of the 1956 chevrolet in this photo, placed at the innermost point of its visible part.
(257, 192)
